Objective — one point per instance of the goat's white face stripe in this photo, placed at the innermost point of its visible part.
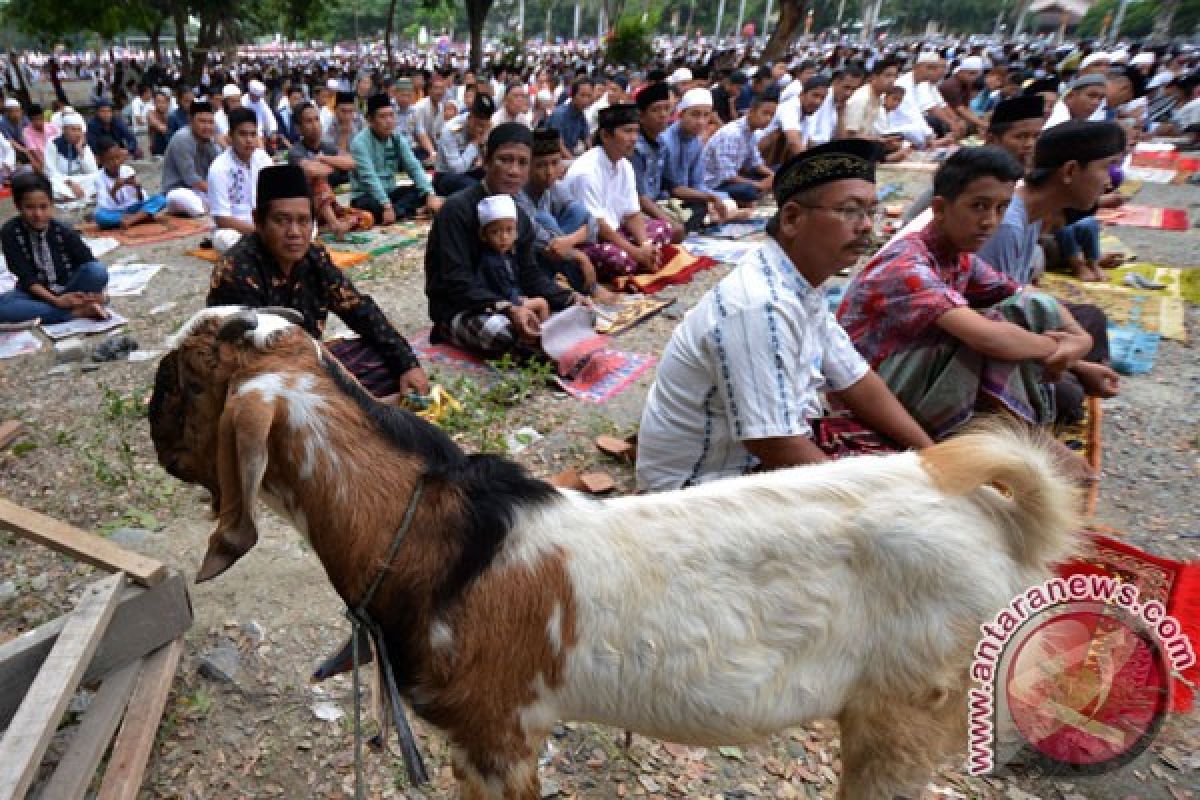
(305, 413)
(441, 636)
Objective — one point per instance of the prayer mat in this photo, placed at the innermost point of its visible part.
(678, 267)
(629, 311)
(911, 166)
(1084, 437)
(1137, 174)
(448, 355)
(1154, 312)
(839, 435)
(1164, 219)
(606, 374)
(342, 259)
(1178, 282)
(736, 230)
(151, 232)
(1174, 584)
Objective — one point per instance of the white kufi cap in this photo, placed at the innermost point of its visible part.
(498, 206)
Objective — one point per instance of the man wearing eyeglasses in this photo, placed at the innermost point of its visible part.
(740, 384)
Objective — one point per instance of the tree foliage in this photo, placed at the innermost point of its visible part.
(1140, 17)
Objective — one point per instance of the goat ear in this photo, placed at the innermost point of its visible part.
(242, 454)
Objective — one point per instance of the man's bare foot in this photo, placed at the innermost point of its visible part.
(1111, 260)
(90, 311)
(1097, 380)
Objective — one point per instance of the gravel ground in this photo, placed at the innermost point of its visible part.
(86, 457)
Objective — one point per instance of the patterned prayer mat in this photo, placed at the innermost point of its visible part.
(1174, 584)
(1084, 437)
(607, 373)
(342, 259)
(1164, 219)
(631, 310)
(678, 267)
(1154, 312)
(151, 232)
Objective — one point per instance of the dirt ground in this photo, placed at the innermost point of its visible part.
(86, 457)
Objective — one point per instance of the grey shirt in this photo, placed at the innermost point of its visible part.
(186, 160)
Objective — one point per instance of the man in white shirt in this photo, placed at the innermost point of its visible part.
(231, 99)
(1083, 98)
(910, 115)
(603, 180)
(232, 179)
(430, 109)
(515, 107)
(826, 124)
(863, 107)
(792, 127)
(268, 127)
(739, 385)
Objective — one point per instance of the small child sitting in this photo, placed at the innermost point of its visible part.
(120, 201)
(497, 259)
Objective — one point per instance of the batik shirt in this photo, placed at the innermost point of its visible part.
(748, 362)
(897, 299)
(247, 275)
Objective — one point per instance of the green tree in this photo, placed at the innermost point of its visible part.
(1139, 18)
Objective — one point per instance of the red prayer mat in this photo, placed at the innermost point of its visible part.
(1166, 219)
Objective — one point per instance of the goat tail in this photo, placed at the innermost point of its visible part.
(1023, 487)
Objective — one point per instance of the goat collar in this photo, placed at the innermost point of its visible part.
(401, 534)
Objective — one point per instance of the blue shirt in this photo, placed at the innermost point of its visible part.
(1013, 247)
(744, 99)
(571, 125)
(647, 160)
(175, 120)
(683, 159)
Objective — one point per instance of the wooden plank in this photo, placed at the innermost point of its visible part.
(9, 430)
(31, 729)
(77, 767)
(131, 750)
(145, 620)
(82, 545)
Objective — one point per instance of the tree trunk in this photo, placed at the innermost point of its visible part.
(179, 16)
(155, 34)
(387, 32)
(791, 13)
(477, 11)
(1162, 22)
(22, 89)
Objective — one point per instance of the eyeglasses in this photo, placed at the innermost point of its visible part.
(852, 214)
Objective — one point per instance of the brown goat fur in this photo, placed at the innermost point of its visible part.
(713, 615)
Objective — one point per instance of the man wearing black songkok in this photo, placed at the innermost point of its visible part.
(463, 307)
(739, 385)
(280, 265)
(1056, 189)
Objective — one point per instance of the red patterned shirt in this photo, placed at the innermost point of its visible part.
(897, 299)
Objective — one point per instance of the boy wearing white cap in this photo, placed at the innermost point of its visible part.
(497, 255)
(231, 98)
(683, 159)
(255, 100)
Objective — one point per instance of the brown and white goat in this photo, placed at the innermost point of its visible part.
(718, 614)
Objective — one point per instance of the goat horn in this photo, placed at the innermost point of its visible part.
(290, 314)
(236, 326)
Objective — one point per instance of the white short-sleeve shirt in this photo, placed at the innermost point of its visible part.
(123, 198)
(748, 362)
(607, 190)
(232, 184)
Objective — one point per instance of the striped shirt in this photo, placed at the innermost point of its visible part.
(748, 362)
(730, 151)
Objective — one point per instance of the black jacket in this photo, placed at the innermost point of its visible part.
(454, 280)
(67, 248)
